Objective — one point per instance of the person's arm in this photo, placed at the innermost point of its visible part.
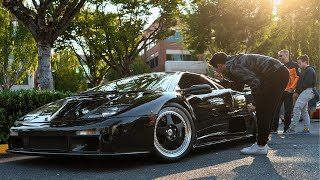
(246, 76)
(295, 78)
(250, 99)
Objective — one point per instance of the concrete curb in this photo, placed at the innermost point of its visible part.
(3, 148)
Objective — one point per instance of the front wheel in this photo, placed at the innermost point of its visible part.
(173, 133)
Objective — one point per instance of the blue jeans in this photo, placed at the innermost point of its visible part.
(301, 109)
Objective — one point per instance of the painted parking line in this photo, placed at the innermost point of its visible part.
(3, 148)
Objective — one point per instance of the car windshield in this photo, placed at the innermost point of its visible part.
(45, 110)
(144, 82)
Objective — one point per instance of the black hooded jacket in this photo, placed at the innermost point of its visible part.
(251, 69)
(307, 79)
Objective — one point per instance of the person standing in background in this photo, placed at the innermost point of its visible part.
(304, 92)
(286, 99)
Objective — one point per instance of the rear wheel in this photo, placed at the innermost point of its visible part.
(173, 133)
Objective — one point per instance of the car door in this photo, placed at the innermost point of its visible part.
(211, 110)
(240, 119)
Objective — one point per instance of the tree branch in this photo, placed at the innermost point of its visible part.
(71, 11)
(80, 59)
(26, 16)
(35, 4)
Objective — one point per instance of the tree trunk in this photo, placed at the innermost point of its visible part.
(6, 84)
(44, 67)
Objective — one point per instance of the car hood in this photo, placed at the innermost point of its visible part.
(91, 107)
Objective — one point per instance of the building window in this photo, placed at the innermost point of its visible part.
(180, 57)
(150, 44)
(153, 62)
(177, 37)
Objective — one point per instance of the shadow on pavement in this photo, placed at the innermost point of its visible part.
(197, 159)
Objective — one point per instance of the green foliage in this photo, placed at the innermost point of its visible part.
(232, 26)
(244, 26)
(69, 76)
(46, 20)
(117, 37)
(299, 23)
(262, 27)
(15, 104)
(18, 50)
(138, 66)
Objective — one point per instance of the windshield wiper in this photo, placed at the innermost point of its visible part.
(136, 91)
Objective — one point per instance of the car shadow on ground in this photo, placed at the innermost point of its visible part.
(197, 161)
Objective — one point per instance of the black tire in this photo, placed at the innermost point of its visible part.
(174, 133)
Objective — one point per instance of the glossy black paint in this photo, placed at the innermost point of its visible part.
(218, 115)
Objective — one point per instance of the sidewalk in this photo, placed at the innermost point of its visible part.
(3, 148)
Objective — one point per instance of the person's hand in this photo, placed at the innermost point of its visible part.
(295, 95)
(218, 76)
(290, 90)
(251, 107)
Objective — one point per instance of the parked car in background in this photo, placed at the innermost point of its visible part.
(166, 114)
(316, 114)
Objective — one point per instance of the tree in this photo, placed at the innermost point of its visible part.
(46, 20)
(119, 37)
(296, 28)
(17, 50)
(299, 24)
(68, 74)
(232, 26)
(91, 62)
(94, 67)
(138, 66)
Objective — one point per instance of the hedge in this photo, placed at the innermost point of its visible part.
(15, 104)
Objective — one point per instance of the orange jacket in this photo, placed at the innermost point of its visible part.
(294, 72)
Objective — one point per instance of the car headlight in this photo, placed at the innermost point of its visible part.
(88, 132)
(14, 133)
(106, 111)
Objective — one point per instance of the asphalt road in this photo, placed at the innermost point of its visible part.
(290, 157)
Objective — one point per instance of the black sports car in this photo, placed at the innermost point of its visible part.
(164, 113)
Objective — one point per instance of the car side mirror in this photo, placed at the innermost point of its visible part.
(197, 89)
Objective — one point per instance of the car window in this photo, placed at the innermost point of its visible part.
(216, 82)
(145, 82)
(187, 80)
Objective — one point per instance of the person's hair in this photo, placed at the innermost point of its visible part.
(284, 51)
(304, 58)
(218, 58)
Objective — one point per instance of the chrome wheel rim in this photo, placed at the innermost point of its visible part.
(172, 134)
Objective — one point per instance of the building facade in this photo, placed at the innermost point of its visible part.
(169, 55)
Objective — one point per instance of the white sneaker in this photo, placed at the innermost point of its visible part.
(255, 150)
(247, 148)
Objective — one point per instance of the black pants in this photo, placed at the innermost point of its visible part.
(267, 100)
(287, 100)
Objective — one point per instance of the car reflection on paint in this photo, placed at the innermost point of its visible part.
(166, 114)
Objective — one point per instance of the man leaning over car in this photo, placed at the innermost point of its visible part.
(267, 78)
